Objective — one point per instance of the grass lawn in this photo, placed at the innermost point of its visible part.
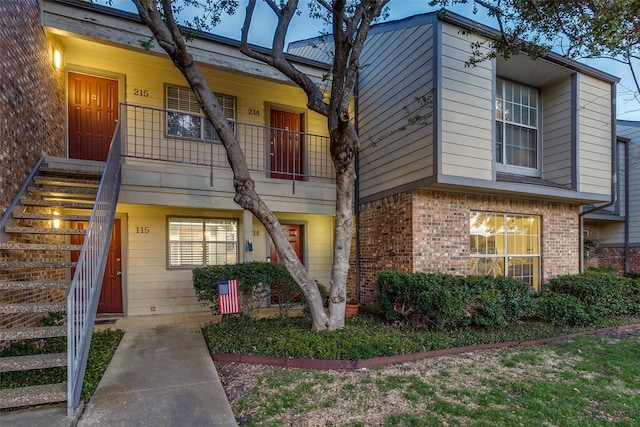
(103, 346)
(586, 381)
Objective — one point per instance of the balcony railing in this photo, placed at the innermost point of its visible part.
(278, 153)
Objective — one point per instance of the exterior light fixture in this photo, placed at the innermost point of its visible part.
(57, 59)
(55, 221)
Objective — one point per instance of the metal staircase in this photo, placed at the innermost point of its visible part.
(50, 265)
(38, 252)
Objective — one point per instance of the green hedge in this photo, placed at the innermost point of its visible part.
(257, 281)
(443, 301)
(584, 299)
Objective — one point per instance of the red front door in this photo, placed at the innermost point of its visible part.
(294, 233)
(286, 145)
(110, 301)
(93, 114)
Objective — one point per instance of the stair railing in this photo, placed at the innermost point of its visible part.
(83, 296)
(7, 218)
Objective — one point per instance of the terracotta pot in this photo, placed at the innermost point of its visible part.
(351, 309)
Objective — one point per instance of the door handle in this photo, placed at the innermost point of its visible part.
(119, 273)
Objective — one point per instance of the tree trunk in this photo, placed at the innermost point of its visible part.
(169, 36)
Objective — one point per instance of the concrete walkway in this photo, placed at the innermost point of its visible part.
(161, 375)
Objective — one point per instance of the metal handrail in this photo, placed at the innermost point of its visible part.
(146, 135)
(8, 218)
(84, 293)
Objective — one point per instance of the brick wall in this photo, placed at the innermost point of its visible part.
(31, 96)
(32, 117)
(429, 231)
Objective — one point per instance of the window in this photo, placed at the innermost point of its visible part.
(199, 242)
(516, 125)
(505, 245)
(185, 119)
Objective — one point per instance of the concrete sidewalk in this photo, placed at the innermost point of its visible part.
(161, 375)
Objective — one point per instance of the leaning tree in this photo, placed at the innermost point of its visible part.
(349, 25)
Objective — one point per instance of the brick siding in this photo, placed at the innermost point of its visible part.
(32, 121)
(429, 231)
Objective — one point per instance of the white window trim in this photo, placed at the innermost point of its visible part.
(513, 169)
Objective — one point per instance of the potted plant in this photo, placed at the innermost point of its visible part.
(351, 309)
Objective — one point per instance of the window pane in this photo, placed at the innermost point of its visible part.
(187, 119)
(499, 240)
(184, 125)
(516, 128)
(487, 266)
(197, 241)
(525, 269)
(185, 254)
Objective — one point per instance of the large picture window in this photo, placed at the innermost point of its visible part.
(516, 125)
(185, 119)
(505, 245)
(202, 241)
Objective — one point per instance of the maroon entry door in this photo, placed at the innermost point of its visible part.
(110, 301)
(93, 115)
(294, 233)
(286, 145)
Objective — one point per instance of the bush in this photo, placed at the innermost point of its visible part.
(445, 302)
(588, 298)
(257, 281)
(564, 309)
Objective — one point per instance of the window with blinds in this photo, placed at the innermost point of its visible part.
(185, 118)
(196, 242)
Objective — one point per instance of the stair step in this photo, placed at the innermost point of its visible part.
(34, 395)
(64, 191)
(49, 216)
(42, 230)
(50, 307)
(18, 334)
(36, 361)
(71, 172)
(38, 264)
(35, 285)
(85, 204)
(39, 246)
(64, 180)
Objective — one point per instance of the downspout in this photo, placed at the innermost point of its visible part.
(614, 185)
(356, 197)
(627, 255)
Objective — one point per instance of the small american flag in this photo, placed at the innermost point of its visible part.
(228, 301)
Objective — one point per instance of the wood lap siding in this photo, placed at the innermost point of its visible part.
(594, 109)
(467, 97)
(556, 133)
(398, 66)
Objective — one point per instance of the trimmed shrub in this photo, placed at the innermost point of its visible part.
(448, 302)
(588, 298)
(257, 281)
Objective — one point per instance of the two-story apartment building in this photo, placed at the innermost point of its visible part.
(175, 208)
(492, 179)
(496, 181)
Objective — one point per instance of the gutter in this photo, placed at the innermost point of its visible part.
(356, 192)
(627, 255)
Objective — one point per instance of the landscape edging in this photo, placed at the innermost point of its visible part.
(324, 364)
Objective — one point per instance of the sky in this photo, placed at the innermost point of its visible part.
(302, 27)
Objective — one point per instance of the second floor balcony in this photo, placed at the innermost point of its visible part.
(271, 153)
